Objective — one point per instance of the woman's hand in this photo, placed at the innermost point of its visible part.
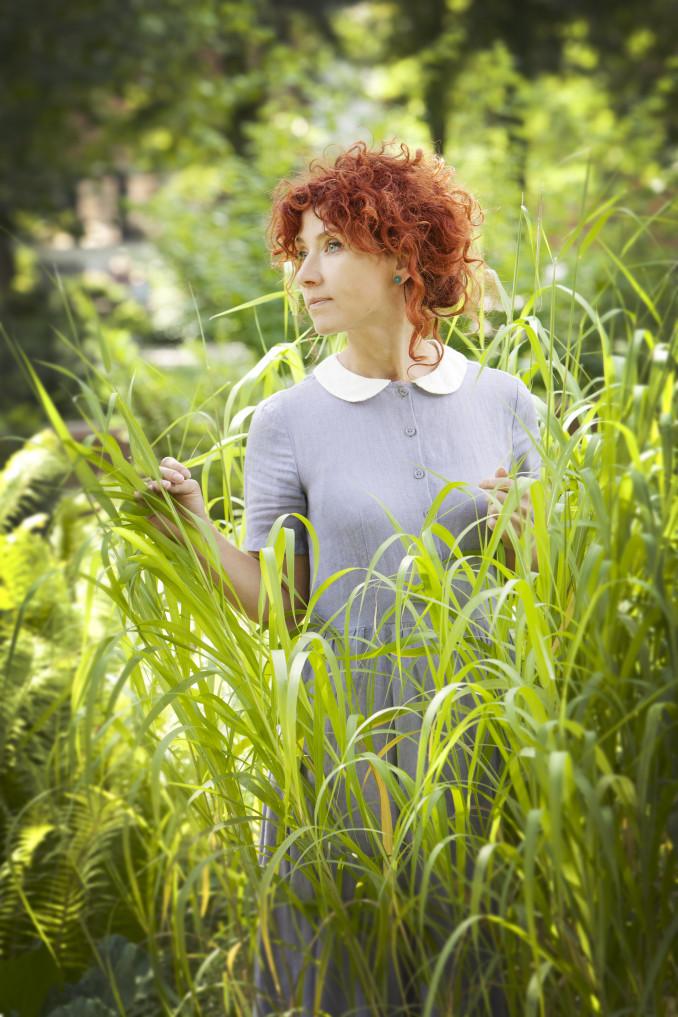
(521, 518)
(186, 492)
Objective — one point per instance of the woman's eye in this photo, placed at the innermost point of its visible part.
(299, 256)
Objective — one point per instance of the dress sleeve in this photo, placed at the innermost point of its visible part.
(272, 486)
(526, 456)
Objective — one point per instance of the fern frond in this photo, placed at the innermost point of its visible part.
(56, 875)
(28, 475)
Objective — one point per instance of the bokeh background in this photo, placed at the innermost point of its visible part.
(141, 140)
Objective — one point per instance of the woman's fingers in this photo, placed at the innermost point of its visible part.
(495, 502)
(496, 483)
(514, 527)
(176, 481)
(171, 479)
(505, 483)
(157, 485)
(173, 475)
(174, 466)
(497, 496)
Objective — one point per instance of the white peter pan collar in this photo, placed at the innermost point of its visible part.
(339, 381)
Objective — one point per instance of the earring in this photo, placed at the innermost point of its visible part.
(397, 280)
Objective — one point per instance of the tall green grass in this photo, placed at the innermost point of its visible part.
(564, 877)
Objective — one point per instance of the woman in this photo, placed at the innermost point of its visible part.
(380, 246)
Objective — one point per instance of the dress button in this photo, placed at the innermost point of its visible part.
(402, 391)
(409, 431)
(419, 473)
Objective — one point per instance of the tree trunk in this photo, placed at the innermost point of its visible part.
(513, 119)
(127, 230)
(435, 103)
(7, 259)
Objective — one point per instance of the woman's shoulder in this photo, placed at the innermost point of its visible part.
(293, 398)
(494, 380)
(286, 409)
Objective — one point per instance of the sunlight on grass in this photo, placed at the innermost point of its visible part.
(551, 842)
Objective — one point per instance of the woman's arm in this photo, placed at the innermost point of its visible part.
(498, 488)
(526, 457)
(302, 581)
(242, 568)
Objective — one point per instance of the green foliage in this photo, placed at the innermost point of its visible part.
(122, 981)
(39, 631)
(28, 475)
(77, 771)
(59, 829)
(37, 319)
(572, 870)
(122, 977)
(531, 104)
(56, 876)
(76, 90)
(144, 724)
(94, 320)
(193, 719)
(624, 51)
(25, 980)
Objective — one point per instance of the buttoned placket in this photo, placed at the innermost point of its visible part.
(411, 430)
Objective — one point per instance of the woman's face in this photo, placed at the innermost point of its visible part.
(344, 290)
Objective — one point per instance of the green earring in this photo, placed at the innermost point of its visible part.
(397, 280)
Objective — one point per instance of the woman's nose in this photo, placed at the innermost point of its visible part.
(309, 270)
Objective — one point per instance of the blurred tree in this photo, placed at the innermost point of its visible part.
(633, 45)
(234, 93)
(636, 43)
(92, 89)
(83, 84)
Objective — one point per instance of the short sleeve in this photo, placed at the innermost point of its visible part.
(272, 485)
(526, 456)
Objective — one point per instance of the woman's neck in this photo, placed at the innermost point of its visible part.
(385, 355)
(389, 361)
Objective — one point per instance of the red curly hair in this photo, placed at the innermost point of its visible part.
(401, 205)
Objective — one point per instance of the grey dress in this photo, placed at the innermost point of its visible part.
(338, 449)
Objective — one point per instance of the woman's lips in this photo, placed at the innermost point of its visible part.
(319, 303)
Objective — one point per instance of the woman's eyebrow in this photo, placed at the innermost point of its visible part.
(320, 236)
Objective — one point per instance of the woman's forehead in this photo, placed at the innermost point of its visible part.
(312, 226)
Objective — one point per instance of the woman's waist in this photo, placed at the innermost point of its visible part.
(383, 610)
